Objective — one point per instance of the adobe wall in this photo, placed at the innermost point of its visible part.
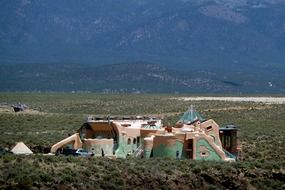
(170, 146)
(148, 147)
(99, 146)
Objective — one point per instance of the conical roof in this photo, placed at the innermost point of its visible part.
(191, 115)
(21, 148)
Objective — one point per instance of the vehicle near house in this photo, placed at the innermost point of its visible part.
(193, 137)
(74, 152)
(84, 153)
(19, 107)
(66, 151)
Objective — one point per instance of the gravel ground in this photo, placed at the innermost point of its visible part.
(268, 100)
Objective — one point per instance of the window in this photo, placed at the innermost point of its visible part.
(134, 141)
(129, 141)
(209, 128)
(227, 141)
(138, 141)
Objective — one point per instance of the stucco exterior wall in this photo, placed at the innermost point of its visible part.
(98, 145)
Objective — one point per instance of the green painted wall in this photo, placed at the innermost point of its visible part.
(124, 148)
(121, 152)
(147, 153)
(168, 151)
(212, 153)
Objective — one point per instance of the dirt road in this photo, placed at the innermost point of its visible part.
(267, 100)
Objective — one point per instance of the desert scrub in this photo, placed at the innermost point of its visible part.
(55, 172)
(261, 132)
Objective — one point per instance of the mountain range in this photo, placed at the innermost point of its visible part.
(229, 45)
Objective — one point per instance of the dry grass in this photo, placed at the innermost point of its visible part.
(262, 133)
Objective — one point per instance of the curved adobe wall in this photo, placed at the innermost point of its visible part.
(74, 140)
(168, 146)
(211, 128)
(99, 146)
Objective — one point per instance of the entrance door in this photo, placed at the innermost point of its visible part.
(189, 148)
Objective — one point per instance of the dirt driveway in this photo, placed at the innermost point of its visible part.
(267, 100)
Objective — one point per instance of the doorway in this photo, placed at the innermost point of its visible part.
(189, 148)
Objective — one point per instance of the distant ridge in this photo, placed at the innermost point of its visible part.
(200, 46)
(139, 77)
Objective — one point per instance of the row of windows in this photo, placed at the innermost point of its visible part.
(135, 140)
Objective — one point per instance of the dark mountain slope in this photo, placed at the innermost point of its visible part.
(207, 33)
(238, 42)
(132, 77)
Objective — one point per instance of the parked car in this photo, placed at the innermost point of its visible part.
(75, 152)
(83, 153)
(66, 152)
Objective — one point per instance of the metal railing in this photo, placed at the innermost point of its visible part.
(138, 152)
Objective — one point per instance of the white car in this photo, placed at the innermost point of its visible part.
(83, 153)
